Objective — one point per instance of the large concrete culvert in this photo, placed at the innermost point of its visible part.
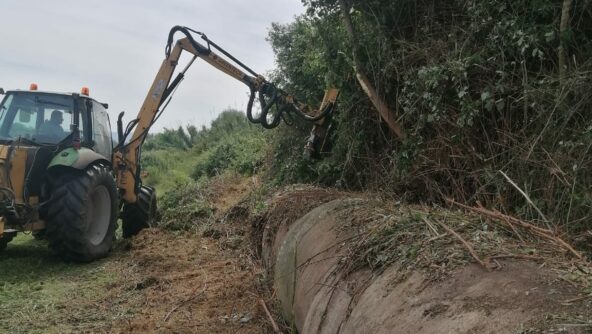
(321, 291)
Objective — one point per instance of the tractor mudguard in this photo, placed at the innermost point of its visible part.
(78, 159)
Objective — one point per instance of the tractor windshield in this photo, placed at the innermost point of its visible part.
(42, 118)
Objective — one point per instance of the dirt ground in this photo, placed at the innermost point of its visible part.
(187, 283)
(158, 282)
(184, 284)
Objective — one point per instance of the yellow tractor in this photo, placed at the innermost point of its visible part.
(61, 177)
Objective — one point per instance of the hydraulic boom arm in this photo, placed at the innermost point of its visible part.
(274, 104)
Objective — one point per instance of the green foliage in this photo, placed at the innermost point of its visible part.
(167, 168)
(175, 158)
(231, 143)
(475, 86)
(184, 206)
(172, 139)
(242, 154)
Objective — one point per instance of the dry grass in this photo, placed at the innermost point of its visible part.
(436, 241)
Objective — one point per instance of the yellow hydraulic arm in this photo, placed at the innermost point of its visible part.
(274, 104)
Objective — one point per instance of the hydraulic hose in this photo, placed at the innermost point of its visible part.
(273, 100)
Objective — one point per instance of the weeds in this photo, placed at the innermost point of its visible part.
(186, 208)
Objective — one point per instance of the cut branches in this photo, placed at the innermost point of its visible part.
(527, 198)
(498, 216)
(276, 328)
(467, 246)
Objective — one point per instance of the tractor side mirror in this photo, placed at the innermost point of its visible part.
(2, 91)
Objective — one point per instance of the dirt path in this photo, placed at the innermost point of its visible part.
(182, 284)
(204, 283)
(160, 281)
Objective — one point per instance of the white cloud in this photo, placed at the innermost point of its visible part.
(116, 47)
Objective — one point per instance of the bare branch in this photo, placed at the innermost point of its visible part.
(379, 103)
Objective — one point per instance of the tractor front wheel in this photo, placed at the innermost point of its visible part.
(82, 214)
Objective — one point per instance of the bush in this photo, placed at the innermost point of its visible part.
(174, 158)
(476, 86)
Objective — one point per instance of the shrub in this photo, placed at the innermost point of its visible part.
(175, 157)
(476, 86)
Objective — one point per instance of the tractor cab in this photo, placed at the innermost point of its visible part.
(51, 146)
(55, 119)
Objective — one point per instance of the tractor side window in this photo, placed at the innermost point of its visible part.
(101, 130)
(4, 106)
(81, 123)
(84, 124)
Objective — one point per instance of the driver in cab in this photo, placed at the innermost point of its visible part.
(52, 130)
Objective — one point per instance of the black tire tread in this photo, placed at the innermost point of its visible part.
(66, 214)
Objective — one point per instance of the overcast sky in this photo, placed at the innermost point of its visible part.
(116, 47)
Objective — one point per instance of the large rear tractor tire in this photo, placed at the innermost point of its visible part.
(5, 239)
(139, 215)
(82, 214)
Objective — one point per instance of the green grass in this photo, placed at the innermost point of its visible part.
(39, 293)
(167, 169)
